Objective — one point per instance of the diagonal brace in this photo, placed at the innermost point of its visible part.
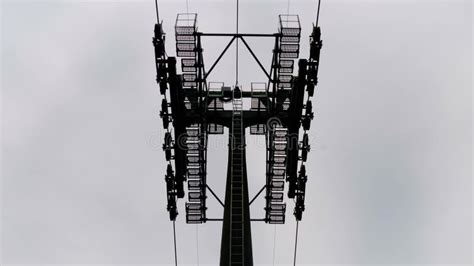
(255, 57)
(257, 194)
(220, 56)
(215, 196)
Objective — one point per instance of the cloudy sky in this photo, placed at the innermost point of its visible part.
(390, 170)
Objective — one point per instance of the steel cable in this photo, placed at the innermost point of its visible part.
(296, 243)
(317, 16)
(175, 251)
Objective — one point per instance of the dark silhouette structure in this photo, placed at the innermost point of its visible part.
(195, 109)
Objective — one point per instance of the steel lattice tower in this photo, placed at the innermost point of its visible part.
(195, 108)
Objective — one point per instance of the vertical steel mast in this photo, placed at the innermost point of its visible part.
(236, 244)
(194, 108)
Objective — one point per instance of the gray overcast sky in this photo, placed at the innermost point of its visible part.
(390, 171)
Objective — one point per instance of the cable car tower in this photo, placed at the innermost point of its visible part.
(194, 107)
